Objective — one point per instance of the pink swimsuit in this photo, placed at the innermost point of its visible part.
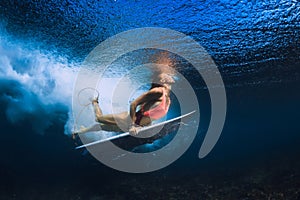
(158, 111)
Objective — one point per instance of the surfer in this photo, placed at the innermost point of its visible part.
(151, 105)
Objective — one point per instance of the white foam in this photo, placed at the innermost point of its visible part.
(49, 77)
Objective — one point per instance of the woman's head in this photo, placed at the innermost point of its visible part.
(163, 74)
(165, 79)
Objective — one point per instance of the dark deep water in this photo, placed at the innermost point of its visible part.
(256, 47)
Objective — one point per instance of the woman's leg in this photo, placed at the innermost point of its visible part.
(99, 127)
(112, 122)
(115, 123)
(110, 119)
(96, 127)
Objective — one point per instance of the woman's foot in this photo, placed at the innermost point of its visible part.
(76, 133)
(94, 100)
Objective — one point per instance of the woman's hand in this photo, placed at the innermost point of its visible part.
(134, 130)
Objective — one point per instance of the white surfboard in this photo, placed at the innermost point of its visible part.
(141, 131)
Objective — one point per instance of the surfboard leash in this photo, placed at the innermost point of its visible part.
(84, 105)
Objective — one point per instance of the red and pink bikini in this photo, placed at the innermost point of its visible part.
(155, 113)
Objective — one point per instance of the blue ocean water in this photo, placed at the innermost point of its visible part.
(255, 45)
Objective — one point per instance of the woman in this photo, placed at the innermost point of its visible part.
(151, 105)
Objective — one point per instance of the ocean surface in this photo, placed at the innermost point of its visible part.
(254, 44)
